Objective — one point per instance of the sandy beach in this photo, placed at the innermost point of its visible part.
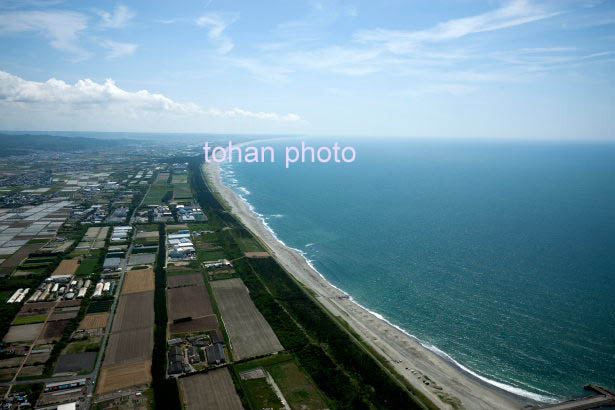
(403, 352)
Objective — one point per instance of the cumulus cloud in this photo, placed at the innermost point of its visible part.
(216, 24)
(107, 96)
(120, 17)
(61, 28)
(118, 49)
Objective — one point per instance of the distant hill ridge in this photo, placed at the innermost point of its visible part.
(56, 143)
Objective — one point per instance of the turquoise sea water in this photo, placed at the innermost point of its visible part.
(498, 254)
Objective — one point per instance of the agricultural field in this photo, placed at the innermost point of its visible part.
(141, 280)
(195, 325)
(213, 390)
(87, 266)
(208, 256)
(68, 303)
(261, 394)
(53, 331)
(141, 259)
(188, 301)
(94, 321)
(158, 190)
(182, 192)
(99, 306)
(63, 314)
(29, 371)
(124, 375)
(37, 359)
(134, 311)
(7, 374)
(11, 362)
(23, 333)
(13, 261)
(179, 179)
(248, 330)
(76, 363)
(35, 309)
(26, 320)
(67, 267)
(296, 387)
(195, 279)
(82, 346)
(131, 345)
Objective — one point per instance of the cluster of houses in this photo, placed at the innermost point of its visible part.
(190, 213)
(183, 353)
(180, 246)
(161, 213)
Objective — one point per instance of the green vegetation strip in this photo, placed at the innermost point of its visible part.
(27, 320)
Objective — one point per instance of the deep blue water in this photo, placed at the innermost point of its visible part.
(501, 254)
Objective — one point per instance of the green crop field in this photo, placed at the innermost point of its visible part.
(87, 266)
(27, 320)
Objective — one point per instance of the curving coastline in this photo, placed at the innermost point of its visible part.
(398, 347)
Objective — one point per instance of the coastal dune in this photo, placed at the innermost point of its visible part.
(448, 382)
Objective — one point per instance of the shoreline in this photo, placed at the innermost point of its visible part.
(401, 350)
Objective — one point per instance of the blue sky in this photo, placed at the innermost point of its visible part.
(486, 69)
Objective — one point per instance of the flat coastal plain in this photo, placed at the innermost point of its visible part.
(401, 350)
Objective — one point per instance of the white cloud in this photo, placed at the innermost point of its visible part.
(118, 49)
(239, 113)
(513, 14)
(453, 89)
(271, 73)
(107, 97)
(61, 28)
(217, 23)
(119, 18)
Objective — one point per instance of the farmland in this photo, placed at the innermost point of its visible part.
(88, 345)
(158, 190)
(176, 281)
(134, 311)
(75, 363)
(99, 306)
(53, 331)
(128, 346)
(296, 387)
(66, 267)
(26, 320)
(189, 301)
(141, 280)
(213, 390)
(124, 375)
(87, 266)
(195, 325)
(94, 321)
(248, 330)
(64, 314)
(23, 333)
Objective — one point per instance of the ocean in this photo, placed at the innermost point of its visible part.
(499, 255)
